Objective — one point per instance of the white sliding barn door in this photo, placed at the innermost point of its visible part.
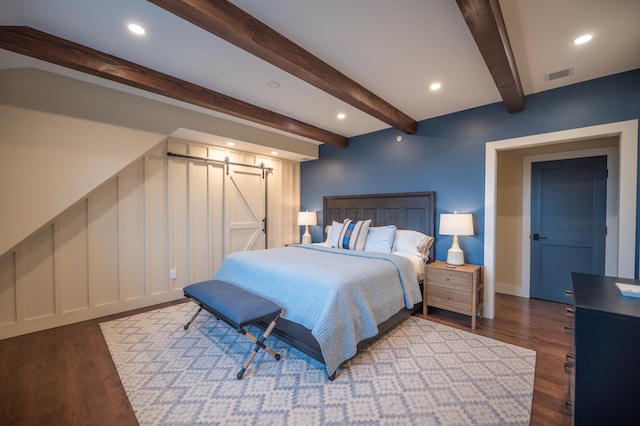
(245, 200)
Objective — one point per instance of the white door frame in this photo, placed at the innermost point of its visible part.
(627, 131)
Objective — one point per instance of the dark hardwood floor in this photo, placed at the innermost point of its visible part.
(65, 376)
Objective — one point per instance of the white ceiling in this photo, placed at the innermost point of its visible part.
(396, 49)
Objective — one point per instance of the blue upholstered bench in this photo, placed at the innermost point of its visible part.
(238, 308)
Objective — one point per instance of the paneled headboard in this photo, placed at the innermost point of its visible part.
(406, 210)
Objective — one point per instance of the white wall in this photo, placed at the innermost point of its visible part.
(60, 138)
(49, 161)
(112, 250)
(94, 214)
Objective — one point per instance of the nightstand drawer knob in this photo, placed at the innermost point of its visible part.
(568, 367)
(568, 406)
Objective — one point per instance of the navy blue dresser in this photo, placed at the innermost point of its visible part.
(606, 383)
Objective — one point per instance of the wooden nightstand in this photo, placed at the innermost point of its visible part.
(458, 289)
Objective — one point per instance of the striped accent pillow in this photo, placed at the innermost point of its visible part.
(333, 235)
(354, 234)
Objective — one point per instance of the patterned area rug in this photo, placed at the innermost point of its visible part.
(421, 373)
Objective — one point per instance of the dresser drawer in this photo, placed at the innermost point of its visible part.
(449, 299)
(456, 280)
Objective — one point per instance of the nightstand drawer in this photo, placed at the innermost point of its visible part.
(445, 278)
(449, 299)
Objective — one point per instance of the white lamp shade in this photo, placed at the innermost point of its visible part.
(456, 224)
(307, 218)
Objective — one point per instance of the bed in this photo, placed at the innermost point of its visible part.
(335, 299)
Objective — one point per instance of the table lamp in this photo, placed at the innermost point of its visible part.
(307, 218)
(456, 224)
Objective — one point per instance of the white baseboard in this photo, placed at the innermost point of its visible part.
(511, 289)
(58, 320)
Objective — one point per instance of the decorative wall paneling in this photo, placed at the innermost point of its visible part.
(112, 251)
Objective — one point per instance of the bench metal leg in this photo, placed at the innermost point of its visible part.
(259, 344)
(193, 317)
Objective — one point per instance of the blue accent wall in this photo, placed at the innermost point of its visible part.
(447, 154)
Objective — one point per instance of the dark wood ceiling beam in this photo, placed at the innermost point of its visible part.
(37, 44)
(484, 19)
(232, 24)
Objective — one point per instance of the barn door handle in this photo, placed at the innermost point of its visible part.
(537, 237)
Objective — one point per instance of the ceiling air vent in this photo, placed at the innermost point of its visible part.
(558, 74)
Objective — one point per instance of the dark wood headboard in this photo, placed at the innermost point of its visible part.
(406, 210)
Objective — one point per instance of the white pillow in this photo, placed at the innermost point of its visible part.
(354, 234)
(327, 230)
(413, 242)
(334, 234)
(380, 239)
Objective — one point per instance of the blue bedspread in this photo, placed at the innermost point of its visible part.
(340, 295)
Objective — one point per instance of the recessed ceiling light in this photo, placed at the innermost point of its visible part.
(136, 29)
(583, 39)
(229, 143)
(435, 86)
(274, 152)
(273, 84)
(341, 116)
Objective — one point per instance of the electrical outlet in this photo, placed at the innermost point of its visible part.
(173, 274)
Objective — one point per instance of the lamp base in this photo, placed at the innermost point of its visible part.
(306, 237)
(455, 256)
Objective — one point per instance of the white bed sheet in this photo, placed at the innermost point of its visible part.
(417, 263)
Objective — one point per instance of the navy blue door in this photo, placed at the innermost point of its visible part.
(568, 223)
